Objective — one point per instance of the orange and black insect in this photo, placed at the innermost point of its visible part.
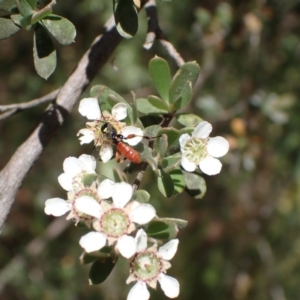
(122, 148)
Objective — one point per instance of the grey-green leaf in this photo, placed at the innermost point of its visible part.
(161, 145)
(181, 86)
(151, 105)
(44, 54)
(24, 8)
(141, 196)
(189, 120)
(165, 184)
(101, 269)
(126, 18)
(172, 134)
(171, 162)
(159, 229)
(161, 76)
(195, 184)
(60, 28)
(178, 180)
(21, 21)
(7, 28)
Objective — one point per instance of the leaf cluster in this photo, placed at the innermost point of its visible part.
(37, 16)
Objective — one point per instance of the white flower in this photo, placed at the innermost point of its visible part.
(89, 108)
(201, 150)
(58, 207)
(74, 170)
(114, 222)
(80, 180)
(149, 266)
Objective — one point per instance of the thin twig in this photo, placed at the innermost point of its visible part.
(11, 109)
(8, 114)
(18, 106)
(154, 31)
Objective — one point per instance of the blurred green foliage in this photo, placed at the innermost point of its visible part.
(242, 241)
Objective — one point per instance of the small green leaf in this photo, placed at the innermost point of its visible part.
(181, 86)
(134, 109)
(179, 223)
(141, 196)
(171, 162)
(89, 179)
(189, 120)
(161, 145)
(195, 184)
(152, 131)
(86, 259)
(60, 28)
(185, 96)
(7, 28)
(119, 175)
(187, 130)
(126, 18)
(44, 53)
(24, 8)
(151, 105)
(165, 184)
(161, 76)
(21, 21)
(172, 134)
(161, 230)
(107, 97)
(101, 269)
(156, 226)
(32, 3)
(101, 92)
(147, 156)
(178, 180)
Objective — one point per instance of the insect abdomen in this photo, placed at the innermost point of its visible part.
(129, 153)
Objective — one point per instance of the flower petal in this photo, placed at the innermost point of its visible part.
(202, 130)
(106, 153)
(92, 241)
(210, 166)
(72, 166)
(168, 250)
(142, 214)
(65, 181)
(56, 207)
(139, 292)
(183, 139)
(106, 188)
(122, 194)
(89, 107)
(88, 206)
(217, 146)
(169, 285)
(127, 246)
(188, 165)
(87, 136)
(141, 240)
(127, 130)
(119, 111)
(88, 163)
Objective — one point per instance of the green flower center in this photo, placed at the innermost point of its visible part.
(146, 265)
(195, 150)
(115, 222)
